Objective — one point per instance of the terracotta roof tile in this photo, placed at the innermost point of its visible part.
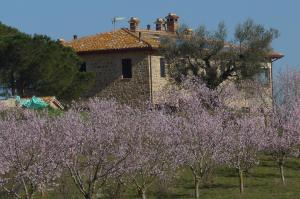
(276, 55)
(152, 37)
(116, 40)
(125, 39)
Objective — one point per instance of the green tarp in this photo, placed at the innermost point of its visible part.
(33, 103)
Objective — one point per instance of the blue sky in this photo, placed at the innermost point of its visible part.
(64, 18)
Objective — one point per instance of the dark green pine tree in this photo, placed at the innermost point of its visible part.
(37, 65)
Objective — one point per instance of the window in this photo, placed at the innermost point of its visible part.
(162, 67)
(126, 68)
(83, 67)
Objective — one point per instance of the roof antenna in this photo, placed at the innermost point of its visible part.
(115, 20)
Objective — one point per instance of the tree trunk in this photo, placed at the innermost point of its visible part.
(241, 177)
(142, 193)
(118, 192)
(21, 88)
(12, 84)
(88, 196)
(197, 183)
(282, 174)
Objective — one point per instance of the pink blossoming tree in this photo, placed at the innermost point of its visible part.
(95, 143)
(202, 111)
(284, 121)
(28, 161)
(153, 155)
(244, 139)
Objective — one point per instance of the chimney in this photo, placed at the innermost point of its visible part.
(148, 27)
(172, 22)
(159, 24)
(75, 37)
(134, 23)
(188, 31)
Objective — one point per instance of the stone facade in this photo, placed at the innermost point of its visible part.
(259, 95)
(110, 82)
(146, 77)
(157, 82)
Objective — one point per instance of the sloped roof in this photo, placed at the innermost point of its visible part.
(276, 55)
(115, 40)
(152, 37)
(124, 39)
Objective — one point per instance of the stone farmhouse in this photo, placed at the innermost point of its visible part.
(127, 61)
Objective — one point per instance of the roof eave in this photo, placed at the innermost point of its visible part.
(105, 51)
(275, 57)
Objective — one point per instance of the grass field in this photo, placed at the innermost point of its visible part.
(260, 182)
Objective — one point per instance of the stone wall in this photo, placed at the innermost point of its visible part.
(158, 82)
(146, 81)
(110, 82)
(252, 94)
